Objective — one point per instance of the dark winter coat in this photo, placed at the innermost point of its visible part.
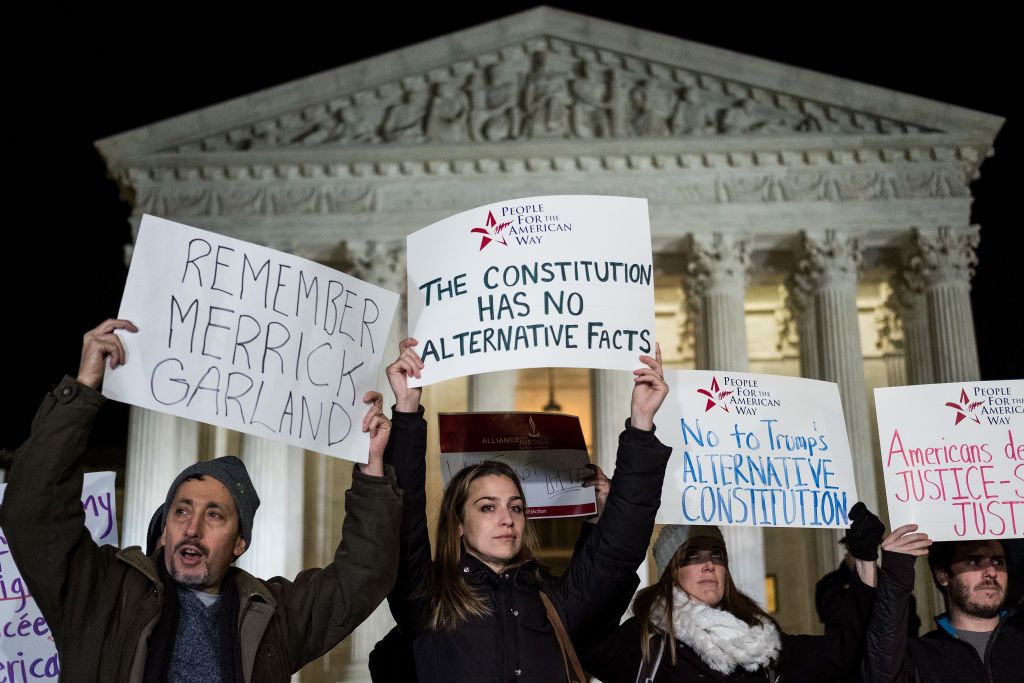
(939, 655)
(102, 603)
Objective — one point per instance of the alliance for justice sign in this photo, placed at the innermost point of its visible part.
(755, 450)
(248, 338)
(953, 458)
(561, 281)
(546, 450)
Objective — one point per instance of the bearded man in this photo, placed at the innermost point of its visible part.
(979, 638)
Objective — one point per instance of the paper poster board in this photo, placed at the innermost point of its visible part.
(953, 458)
(546, 450)
(755, 450)
(244, 337)
(27, 650)
(560, 281)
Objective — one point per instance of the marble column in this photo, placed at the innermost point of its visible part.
(611, 393)
(801, 306)
(890, 339)
(830, 262)
(945, 261)
(277, 471)
(917, 344)
(492, 391)
(160, 446)
(716, 278)
(383, 264)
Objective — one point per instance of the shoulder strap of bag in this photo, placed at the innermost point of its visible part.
(648, 670)
(573, 670)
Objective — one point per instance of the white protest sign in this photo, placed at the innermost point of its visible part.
(248, 338)
(27, 651)
(561, 281)
(755, 450)
(546, 450)
(953, 458)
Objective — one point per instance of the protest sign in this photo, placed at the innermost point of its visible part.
(249, 338)
(755, 450)
(546, 450)
(27, 651)
(953, 458)
(561, 281)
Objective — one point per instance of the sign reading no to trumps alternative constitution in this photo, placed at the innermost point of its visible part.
(755, 450)
(248, 338)
(561, 281)
(953, 458)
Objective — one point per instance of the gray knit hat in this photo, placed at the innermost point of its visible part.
(674, 535)
(231, 472)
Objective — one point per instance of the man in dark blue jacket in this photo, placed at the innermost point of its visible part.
(979, 638)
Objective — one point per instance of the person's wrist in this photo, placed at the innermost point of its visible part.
(407, 404)
(643, 422)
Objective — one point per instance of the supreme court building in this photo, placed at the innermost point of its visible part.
(802, 224)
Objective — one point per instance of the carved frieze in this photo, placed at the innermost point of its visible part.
(246, 199)
(547, 89)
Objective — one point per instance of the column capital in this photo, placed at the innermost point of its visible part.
(714, 261)
(799, 292)
(379, 262)
(888, 322)
(944, 255)
(828, 258)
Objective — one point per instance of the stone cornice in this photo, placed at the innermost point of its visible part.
(496, 158)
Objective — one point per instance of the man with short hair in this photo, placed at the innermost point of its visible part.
(184, 613)
(979, 638)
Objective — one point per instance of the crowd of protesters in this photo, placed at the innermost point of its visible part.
(478, 606)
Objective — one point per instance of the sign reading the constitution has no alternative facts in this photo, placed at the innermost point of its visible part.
(251, 339)
(953, 458)
(27, 651)
(755, 450)
(563, 281)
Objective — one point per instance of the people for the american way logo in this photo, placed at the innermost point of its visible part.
(715, 396)
(487, 235)
(965, 408)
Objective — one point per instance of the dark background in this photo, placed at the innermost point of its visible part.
(76, 78)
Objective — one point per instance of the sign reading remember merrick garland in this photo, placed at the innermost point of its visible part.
(755, 450)
(245, 337)
(561, 281)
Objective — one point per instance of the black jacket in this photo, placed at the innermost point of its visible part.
(813, 659)
(516, 642)
(938, 655)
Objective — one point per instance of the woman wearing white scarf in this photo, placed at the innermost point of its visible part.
(712, 631)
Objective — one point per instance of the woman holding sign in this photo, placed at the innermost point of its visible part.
(483, 608)
(695, 624)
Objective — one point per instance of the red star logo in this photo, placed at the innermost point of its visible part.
(489, 236)
(965, 409)
(715, 395)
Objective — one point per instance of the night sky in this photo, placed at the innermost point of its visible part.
(77, 78)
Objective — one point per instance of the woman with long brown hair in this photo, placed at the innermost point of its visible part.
(695, 624)
(476, 611)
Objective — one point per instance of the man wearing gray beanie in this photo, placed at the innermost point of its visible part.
(182, 612)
